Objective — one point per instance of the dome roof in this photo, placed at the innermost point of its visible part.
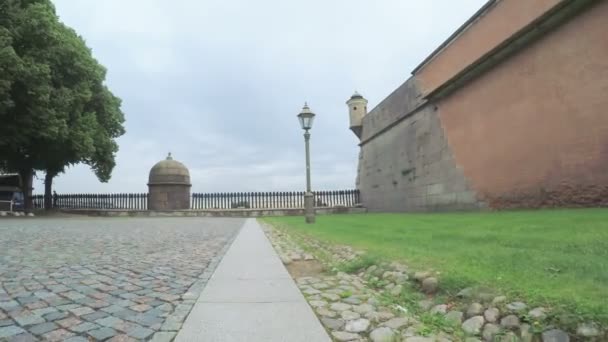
(356, 95)
(169, 171)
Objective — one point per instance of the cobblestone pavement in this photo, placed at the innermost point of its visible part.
(88, 279)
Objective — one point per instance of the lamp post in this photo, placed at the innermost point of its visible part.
(306, 118)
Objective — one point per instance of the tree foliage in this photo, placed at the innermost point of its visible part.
(55, 109)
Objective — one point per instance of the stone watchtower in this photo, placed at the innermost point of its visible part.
(169, 186)
(357, 108)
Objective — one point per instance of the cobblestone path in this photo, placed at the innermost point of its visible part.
(105, 279)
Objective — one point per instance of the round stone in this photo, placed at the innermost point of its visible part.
(332, 324)
(395, 291)
(317, 303)
(311, 291)
(409, 332)
(352, 300)
(382, 334)
(425, 304)
(538, 314)
(439, 309)
(373, 301)
(491, 315)
(330, 296)
(401, 279)
(588, 330)
(525, 332)
(286, 261)
(325, 312)
(499, 300)
(474, 309)
(473, 325)
(509, 337)
(430, 285)
(344, 336)
(454, 317)
(516, 306)
(398, 267)
(489, 331)
(350, 315)
(357, 325)
(555, 335)
(340, 307)
(419, 276)
(318, 286)
(363, 308)
(379, 316)
(396, 323)
(510, 322)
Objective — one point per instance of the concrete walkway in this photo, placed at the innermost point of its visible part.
(251, 297)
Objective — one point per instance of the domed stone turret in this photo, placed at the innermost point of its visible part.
(169, 185)
(357, 109)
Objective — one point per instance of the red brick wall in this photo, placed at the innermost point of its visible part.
(500, 22)
(533, 131)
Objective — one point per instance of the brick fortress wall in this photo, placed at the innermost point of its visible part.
(532, 131)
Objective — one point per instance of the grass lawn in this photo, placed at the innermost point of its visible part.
(553, 258)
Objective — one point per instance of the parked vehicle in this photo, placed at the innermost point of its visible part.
(11, 195)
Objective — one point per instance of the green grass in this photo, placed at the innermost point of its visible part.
(553, 258)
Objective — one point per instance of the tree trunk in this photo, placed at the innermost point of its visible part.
(27, 177)
(48, 188)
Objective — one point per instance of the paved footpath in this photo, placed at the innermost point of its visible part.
(118, 279)
(251, 297)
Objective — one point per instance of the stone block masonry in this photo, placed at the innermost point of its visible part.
(522, 125)
(410, 167)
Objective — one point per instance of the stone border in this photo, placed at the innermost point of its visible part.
(15, 214)
(476, 315)
(212, 213)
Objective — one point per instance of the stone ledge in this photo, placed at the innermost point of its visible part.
(212, 212)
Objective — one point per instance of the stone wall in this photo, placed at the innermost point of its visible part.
(169, 197)
(409, 166)
(531, 131)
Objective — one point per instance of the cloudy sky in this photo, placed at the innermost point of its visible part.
(219, 82)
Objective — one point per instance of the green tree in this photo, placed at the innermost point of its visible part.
(54, 106)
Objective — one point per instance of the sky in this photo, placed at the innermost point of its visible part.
(218, 83)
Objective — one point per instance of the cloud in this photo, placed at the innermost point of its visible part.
(219, 83)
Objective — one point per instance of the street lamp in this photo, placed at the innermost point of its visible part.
(306, 118)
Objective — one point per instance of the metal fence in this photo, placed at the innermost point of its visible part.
(230, 200)
(95, 201)
(265, 200)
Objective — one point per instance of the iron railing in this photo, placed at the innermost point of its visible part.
(201, 201)
(95, 201)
